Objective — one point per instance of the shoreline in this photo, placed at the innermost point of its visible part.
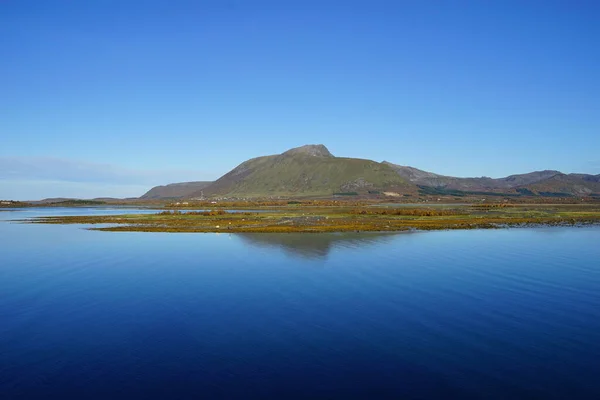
(336, 219)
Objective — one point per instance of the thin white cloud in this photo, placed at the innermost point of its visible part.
(28, 178)
(37, 190)
(68, 170)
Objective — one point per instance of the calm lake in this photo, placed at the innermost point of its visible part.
(482, 314)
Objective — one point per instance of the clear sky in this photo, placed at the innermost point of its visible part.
(108, 98)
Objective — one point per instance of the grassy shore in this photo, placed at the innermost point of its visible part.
(341, 219)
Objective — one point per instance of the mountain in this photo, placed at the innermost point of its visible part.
(513, 181)
(424, 178)
(309, 170)
(571, 184)
(544, 183)
(174, 190)
(312, 171)
(313, 150)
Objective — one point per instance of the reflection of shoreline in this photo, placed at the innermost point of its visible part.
(314, 245)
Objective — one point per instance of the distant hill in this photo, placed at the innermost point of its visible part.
(547, 183)
(54, 200)
(309, 170)
(572, 184)
(174, 190)
(425, 178)
(67, 202)
(312, 171)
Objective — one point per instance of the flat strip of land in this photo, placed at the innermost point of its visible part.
(299, 218)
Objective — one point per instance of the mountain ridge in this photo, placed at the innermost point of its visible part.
(304, 171)
(174, 190)
(426, 178)
(312, 170)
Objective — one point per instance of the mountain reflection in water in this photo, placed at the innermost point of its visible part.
(315, 246)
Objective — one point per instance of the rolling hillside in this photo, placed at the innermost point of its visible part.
(425, 178)
(547, 183)
(306, 171)
(174, 190)
(312, 171)
(572, 184)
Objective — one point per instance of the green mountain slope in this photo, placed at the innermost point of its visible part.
(567, 184)
(312, 171)
(174, 190)
(430, 179)
(306, 171)
(547, 183)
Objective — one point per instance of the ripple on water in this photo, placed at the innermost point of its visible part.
(480, 314)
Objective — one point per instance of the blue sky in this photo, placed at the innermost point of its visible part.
(108, 98)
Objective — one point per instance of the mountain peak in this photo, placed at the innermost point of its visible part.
(315, 150)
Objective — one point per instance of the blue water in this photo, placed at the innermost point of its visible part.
(33, 212)
(486, 314)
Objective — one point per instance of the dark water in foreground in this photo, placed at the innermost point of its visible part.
(491, 314)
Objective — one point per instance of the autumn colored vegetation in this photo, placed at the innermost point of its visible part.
(487, 206)
(266, 203)
(340, 219)
(210, 213)
(418, 212)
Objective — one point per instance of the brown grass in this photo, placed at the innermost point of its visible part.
(336, 219)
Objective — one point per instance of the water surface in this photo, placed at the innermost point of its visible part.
(491, 314)
(7, 214)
